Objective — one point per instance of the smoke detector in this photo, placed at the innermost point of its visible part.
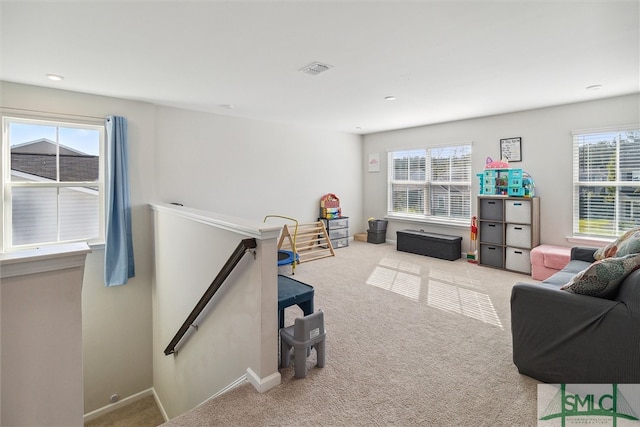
(315, 68)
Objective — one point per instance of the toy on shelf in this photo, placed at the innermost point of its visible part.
(499, 179)
(330, 206)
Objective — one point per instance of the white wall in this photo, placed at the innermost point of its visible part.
(42, 327)
(546, 155)
(251, 168)
(245, 168)
(238, 328)
(116, 321)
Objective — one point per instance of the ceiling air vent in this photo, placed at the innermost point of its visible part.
(315, 68)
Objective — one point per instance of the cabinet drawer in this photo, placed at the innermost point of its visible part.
(340, 233)
(492, 255)
(518, 260)
(518, 211)
(491, 209)
(339, 243)
(491, 232)
(332, 224)
(518, 235)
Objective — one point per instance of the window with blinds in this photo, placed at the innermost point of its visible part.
(606, 182)
(52, 182)
(431, 184)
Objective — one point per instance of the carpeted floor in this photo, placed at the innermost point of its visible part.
(141, 413)
(412, 340)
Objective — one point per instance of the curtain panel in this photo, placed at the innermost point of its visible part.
(119, 263)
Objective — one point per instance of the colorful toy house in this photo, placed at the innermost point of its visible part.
(498, 179)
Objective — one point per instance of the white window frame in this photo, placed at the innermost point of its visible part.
(425, 184)
(618, 226)
(6, 185)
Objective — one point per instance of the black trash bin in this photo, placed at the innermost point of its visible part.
(377, 232)
(377, 225)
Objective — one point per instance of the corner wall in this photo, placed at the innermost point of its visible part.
(547, 154)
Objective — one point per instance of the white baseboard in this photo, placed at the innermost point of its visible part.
(263, 384)
(159, 403)
(230, 387)
(119, 404)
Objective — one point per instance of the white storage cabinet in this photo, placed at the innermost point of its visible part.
(507, 231)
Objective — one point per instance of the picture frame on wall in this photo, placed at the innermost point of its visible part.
(511, 149)
(374, 162)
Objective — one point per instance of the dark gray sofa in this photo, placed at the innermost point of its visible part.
(563, 337)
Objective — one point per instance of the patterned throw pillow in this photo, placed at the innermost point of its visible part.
(630, 239)
(631, 245)
(602, 278)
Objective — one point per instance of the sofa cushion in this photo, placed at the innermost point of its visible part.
(563, 276)
(602, 278)
(628, 243)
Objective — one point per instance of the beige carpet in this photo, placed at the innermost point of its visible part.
(412, 340)
(141, 413)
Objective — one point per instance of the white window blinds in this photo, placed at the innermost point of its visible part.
(430, 184)
(606, 182)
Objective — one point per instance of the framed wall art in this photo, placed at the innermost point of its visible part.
(374, 162)
(511, 149)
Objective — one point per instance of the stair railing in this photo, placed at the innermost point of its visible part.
(224, 273)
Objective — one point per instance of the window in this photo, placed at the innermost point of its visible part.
(431, 184)
(606, 182)
(52, 182)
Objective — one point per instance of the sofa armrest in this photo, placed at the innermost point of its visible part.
(562, 337)
(581, 253)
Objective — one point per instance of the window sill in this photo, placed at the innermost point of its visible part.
(589, 241)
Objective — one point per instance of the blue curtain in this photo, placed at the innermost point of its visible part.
(118, 260)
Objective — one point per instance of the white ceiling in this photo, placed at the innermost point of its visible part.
(442, 61)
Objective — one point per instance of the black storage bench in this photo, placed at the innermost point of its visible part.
(430, 244)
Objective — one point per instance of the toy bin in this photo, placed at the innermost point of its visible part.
(491, 209)
(377, 225)
(518, 211)
(491, 232)
(518, 260)
(518, 235)
(430, 244)
(376, 236)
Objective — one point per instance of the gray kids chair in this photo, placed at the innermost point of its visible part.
(306, 332)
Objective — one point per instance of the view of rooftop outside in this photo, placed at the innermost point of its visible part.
(55, 182)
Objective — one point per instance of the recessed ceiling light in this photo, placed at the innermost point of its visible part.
(389, 98)
(594, 87)
(227, 106)
(55, 77)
